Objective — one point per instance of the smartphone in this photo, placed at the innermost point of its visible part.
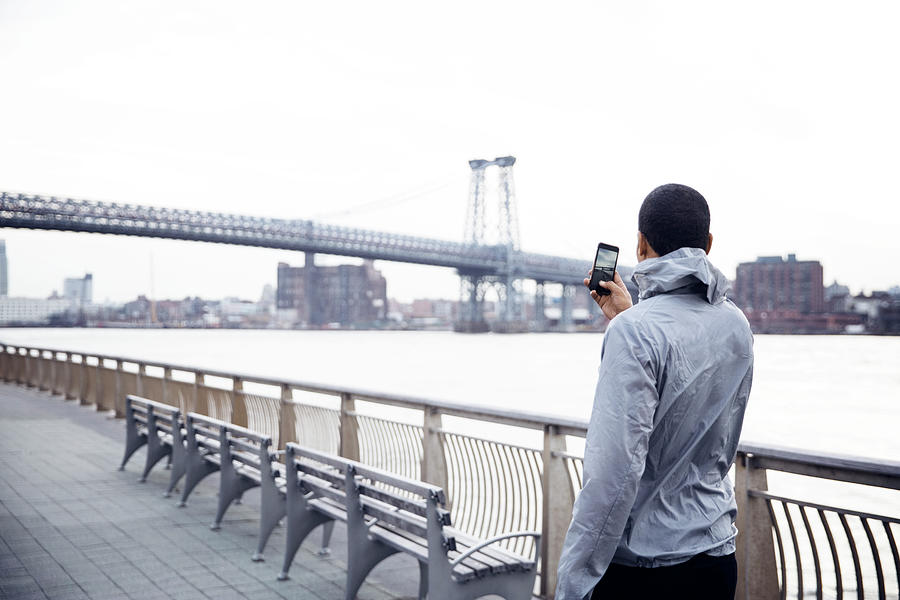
(604, 267)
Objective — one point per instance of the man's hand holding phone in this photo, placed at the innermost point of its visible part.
(618, 299)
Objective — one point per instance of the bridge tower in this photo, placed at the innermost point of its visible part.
(507, 282)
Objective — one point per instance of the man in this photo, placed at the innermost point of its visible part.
(655, 518)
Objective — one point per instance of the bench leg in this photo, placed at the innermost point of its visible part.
(156, 450)
(231, 487)
(298, 528)
(360, 562)
(133, 441)
(178, 458)
(327, 530)
(196, 470)
(423, 580)
(272, 510)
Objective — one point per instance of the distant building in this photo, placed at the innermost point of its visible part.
(345, 295)
(439, 309)
(786, 296)
(888, 320)
(4, 270)
(773, 283)
(837, 298)
(31, 311)
(138, 309)
(79, 289)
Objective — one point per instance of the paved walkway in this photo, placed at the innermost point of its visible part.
(73, 526)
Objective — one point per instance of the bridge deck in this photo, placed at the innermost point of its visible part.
(72, 526)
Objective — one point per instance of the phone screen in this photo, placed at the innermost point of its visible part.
(604, 267)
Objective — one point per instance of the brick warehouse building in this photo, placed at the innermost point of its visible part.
(782, 296)
(344, 294)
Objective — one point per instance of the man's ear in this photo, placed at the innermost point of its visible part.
(641, 250)
(709, 244)
(644, 249)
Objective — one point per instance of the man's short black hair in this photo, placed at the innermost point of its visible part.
(674, 216)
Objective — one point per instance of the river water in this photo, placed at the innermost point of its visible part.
(838, 394)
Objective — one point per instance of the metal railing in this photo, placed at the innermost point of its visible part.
(802, 548)
(786, 546)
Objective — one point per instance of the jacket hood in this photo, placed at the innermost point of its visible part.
(682, 268)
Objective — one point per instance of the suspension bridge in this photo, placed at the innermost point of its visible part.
(482, 260)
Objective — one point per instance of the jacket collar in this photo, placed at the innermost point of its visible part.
(686, 270)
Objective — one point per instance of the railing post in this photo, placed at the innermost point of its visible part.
(238, 405)
(17, 366)
(118, 400)
(139, 380)
(29, 368)
(54, 372)
(98, 387)
(199, 381)
(59, 373)
(83, 384)
(49, 373)
(166, 380)
(349, 428)
(42, 369)
(558, 500)
(72, 393)
(757, 577)
(434, 463)
(67, 375)
(34, 369)
(38, 372)
(287, 430)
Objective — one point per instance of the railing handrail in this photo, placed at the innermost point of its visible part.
(526, 419)
(824, 465)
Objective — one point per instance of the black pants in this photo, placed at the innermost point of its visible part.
(703, 577)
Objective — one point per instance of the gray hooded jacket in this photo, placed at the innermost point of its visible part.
(674, 380)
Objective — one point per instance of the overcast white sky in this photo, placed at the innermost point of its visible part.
(784, 115)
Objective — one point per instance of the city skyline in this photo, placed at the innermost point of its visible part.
(326, 260)
(270, 112)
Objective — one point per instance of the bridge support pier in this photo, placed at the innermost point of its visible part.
(568, 297)
(540, 318)
(512, 316)
(471, 304)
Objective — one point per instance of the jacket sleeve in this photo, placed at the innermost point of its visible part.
(615, 452)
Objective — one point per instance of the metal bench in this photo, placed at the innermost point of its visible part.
(159, 427)
(385, 514)
(244, 460)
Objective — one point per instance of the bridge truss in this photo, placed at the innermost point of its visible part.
(499, 262)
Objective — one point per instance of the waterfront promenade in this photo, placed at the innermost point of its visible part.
(73, 526)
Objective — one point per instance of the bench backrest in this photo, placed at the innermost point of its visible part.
(413, 506)
(393, 500)
(230, 441)
(311, 471)
(155, 415)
